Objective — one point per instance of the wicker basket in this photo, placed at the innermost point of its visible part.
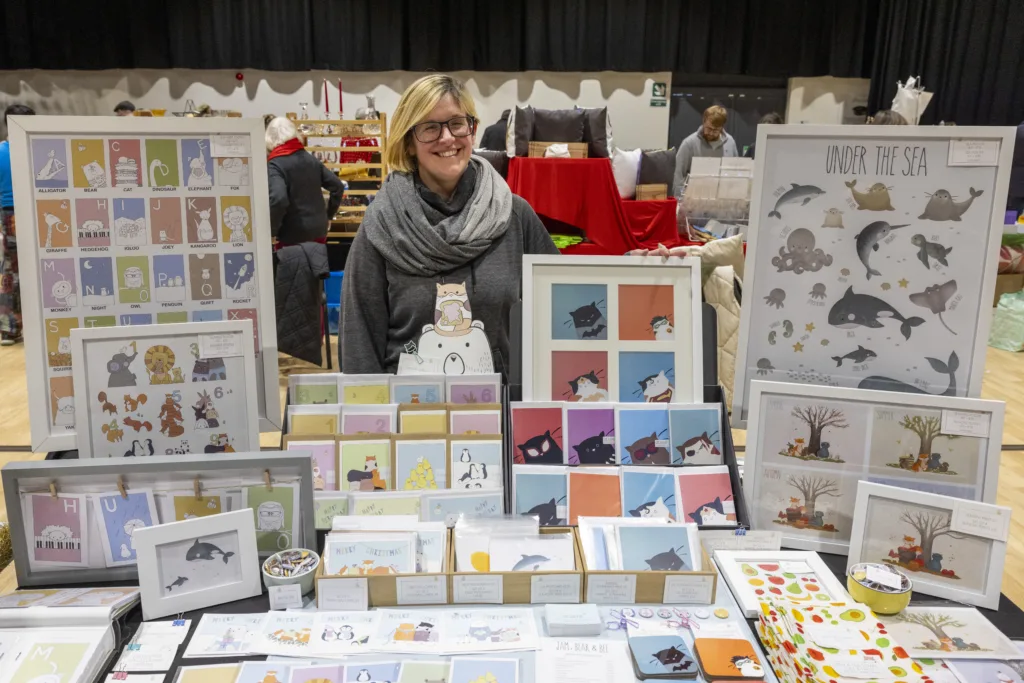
(577, 150)
(652, 191)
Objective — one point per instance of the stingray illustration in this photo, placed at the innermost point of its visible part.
(934, 298)
(668, 561)
(888, 384)
(547, 513)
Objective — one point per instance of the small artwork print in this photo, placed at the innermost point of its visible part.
(382, 671)
(811, 503)
(53, 219)
(133, 279)
(323, 457)
(299, 423)
(366, 423)
(579, 376)
(59, 530)
(579, 312)
(163, 163)
(99, 321)
(771, 579)
(642, 436)
(819, 432)
(646, 377)
(590, 436)
(537, 435)
(92, 222)
(172, 317)
(315, 394)
(426, 392)
(474, 392)
(424, 672)
(948, 633)
(169, 277)
(646, 313)
(695, 433)
(50, 163)
(236, 219)
(97, 281)
(478, 670)
(912, 442)
(274, 511)
(197, 162)
(475, 422)
(62, 401)
(58, 341)
(707, 497)
(649, 494)
(199, 563)
(240, 275)
(545, 494)
(165, 220)
(365, 465)
(88, 163)
(421, 465)
(232, 171)
(201, 219)
(593, 495)
(656, 548)
(475, 464)
(248, 314)
(204, 276)
(125, 162)
(364, 394)
(130, 229)
(191, 506)
(207, 315)
(51, 661)
(59, 285)
(120, 516)
(129, 319)
(423, 422)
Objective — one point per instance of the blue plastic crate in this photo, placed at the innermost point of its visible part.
(333, 317)
(334, 286)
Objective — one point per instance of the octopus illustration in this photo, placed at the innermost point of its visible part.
(775, 298)
(787, 329)
(764, 366)
(818, 291)
(799, 254)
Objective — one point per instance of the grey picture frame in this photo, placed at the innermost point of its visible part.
(177, 471)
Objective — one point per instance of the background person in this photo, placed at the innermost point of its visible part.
(710, 140)
(888, 117)
(440, 250)
(494, 135)
(771, 118)
(10, 288)
(124, 108)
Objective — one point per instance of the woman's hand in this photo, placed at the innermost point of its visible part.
(662, 251)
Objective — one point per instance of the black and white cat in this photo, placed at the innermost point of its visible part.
(594, 451)
(589, 322)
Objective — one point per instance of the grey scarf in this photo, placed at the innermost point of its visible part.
(396, 224)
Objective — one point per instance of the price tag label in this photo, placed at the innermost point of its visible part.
(611, 589)
(285, 597)
(980, 519)
(688, 589)
(220, 345)
(547, 589)
(858, 666)
(421, 590)
(965, 423)
(230, 146)
(973, 153)
(343, 595)
(734, 540)
(478, 589)
(884, 577)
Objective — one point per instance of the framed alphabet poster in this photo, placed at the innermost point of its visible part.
(138, 221)
(609, 329)
(872, 257)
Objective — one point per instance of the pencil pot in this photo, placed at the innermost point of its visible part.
(278, 569)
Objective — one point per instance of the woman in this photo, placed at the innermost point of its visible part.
(437, 263)
(887, 117)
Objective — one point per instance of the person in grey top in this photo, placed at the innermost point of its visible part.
(437, 263)
(710, 140)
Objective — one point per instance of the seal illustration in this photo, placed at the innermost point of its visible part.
(875, 199)
(941, 206)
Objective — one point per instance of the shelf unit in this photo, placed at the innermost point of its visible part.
(346, 222)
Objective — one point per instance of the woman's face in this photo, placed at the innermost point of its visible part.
(445, 159)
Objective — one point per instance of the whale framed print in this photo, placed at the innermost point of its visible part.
(130, 222)
(871, 258)
(607, 329)
(197, 563)
(808, 447)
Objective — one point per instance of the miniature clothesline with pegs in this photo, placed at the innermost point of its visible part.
(53, 490)
(196, 489)
(121, 487)
(266, 480)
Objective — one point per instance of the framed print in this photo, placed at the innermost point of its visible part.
(314, 388)
(417, 388)
(197, 563)
(923, 534)
(126, 233)
(612, 328)
(949, 633)
(873, 250)
(144, 390)
(537, 433)
(796, 575)
(809, 446)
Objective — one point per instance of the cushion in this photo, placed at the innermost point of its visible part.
(657, 167)
(499, 160)
(625, 167)
(558, 125)
(519, 132)
(597, 132)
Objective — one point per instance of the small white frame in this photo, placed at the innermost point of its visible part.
(989, 599)
(990, 229)
(729, 563)
(760, 415)
(155, 604)
(82, 337)
(687, 345)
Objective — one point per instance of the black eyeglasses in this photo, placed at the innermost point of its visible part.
(458, 126)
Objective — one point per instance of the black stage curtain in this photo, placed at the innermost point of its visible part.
(970, 53)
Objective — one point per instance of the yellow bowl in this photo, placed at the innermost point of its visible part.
(880, 601)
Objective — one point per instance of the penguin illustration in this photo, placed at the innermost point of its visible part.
(363, 675)
(465, 457)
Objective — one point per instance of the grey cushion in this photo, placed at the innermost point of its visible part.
(519, 132)
(558, 125)
(595, 132)
(657, 167)
(499, 160)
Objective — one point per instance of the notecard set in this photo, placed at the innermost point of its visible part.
(624, 544)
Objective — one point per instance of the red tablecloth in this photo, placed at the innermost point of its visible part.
(582, 193)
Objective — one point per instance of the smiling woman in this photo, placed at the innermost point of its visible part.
(437, 263)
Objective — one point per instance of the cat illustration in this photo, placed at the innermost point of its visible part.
(655, 509)
(587, 388)
(204, 229)
(369, 479)
(644, 451)
(662, 328)
(541, 449)
(594, 451)
(656, 388)
(668, 561)
(710, 513)
(589, 322)
(548, 512)
(452, 313)
(700, 450)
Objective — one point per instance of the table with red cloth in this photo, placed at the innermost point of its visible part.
(582, 193)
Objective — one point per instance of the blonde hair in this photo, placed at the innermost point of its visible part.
(280, 131)
(716, 115)
(417, 102)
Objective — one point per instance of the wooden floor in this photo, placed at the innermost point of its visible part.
(1004, 381)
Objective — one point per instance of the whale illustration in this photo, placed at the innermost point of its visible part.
(864, 310)
(868, 239)
(205, 551)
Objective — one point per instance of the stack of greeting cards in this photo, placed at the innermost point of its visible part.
(430, 544)
(66, 607)
(510, 545)
(624, 544)
(55, 654)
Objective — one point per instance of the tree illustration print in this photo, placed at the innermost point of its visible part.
(917, 552)
(927, 429)
(807, 516)
(938, 623)
(817, 419)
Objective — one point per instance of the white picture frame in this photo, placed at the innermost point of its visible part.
(928, 517)
(94, 137)
(817, 265)
(155, 543)
(915, 623)
(732, 564)
(97, 392)
(551, 283)
(872, 435)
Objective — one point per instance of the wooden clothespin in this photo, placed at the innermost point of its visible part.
(195, 488)
(266, 480)
(121, 487)
(53, 490)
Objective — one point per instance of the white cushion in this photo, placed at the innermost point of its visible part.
(626, 168)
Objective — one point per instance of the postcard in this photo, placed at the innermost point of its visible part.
(421, 463)
(224, 635)
(342, 633)
(706, 496)
(324, 454)
(365, 389)
(537, 433)
(545, 553)
(447, 506)
(695, 434)
(660, 547)
(649, 492)
(211, 673)
(473, 670)
(642, 435)
(424, 671)
(423, 422)
(364, 464)
(369, 419)
(409, 630)
(594, 492)
(56, 529)
(263, 672)
(370, 553)
(357, 672)
(317, 673)
(487, 630)
(590, 435)
(384, 503)
(474, 422)
(327, 505)
(475, 464)
(541, 490)
(285, 633)
(417, 389)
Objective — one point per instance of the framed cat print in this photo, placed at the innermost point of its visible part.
(600, 329)
(809, 446)
(873, 253)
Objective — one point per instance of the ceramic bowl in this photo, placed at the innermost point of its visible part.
(305, 579)
(881, 599)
